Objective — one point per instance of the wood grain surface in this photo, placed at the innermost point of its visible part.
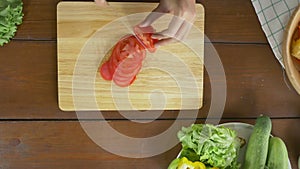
(251, 72)
(170, 79)
(40, 21)
(35, 133)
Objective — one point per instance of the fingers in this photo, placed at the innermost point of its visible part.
(101, 2)
(158, 36)
(165, 41)
(184, 30)
(153, 16)
(178, 30)
(173, 27)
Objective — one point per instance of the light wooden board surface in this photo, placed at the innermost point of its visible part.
(171, 78)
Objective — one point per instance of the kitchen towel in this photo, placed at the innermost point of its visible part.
(274, 16)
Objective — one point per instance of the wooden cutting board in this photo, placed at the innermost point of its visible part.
(171, 78)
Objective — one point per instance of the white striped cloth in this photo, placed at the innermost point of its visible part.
(274, 16)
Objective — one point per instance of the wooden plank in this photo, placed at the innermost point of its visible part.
(225, 21)
(65, 145)
(86, 34)
(232, 21)
(255, 83)
(28, 80)
(37, 30)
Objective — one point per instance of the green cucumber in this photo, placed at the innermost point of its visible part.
(277, 154)
(257, 148)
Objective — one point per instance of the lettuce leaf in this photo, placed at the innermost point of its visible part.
(214, 146)
(10, 16)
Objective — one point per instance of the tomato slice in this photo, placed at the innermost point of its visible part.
(125, 83)
(125, 75)
(105, 72)
(144, 34)
(127, 57)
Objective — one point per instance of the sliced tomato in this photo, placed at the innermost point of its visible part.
(144, 34)
(125, 83)
(125, 61)
(125, 75)
(127, 72)
(105, 72)
(127, 57)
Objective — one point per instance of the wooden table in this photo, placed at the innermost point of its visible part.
(35, 133)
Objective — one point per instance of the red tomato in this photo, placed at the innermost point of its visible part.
(144, 34)
(105, 72)
(127, 57)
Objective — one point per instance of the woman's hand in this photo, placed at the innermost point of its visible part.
(184, 12)
(101, 2)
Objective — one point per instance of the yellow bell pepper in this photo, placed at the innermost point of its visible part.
(296, 48)
(184, 163)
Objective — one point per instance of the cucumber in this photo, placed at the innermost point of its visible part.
(277, 154)
(257, 148)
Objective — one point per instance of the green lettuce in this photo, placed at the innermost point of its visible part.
(10, 16)
(212, 145)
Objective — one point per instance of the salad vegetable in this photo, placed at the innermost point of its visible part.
(295, 49)
(184, 163)
(10, 16)
(213, 146)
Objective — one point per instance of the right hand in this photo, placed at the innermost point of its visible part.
(184, 12)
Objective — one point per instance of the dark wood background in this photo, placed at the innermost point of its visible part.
(35, 133)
